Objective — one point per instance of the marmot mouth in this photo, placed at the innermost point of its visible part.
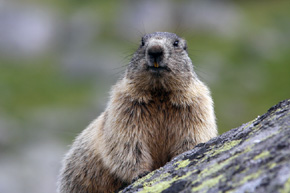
(158, 69)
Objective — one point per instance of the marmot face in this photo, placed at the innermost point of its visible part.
(161, 61)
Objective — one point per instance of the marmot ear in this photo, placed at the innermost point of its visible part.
(142, 42)
(185, 46)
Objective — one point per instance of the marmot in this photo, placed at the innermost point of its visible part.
(158, 110)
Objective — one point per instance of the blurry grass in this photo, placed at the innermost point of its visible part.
(249, 82)
(27, 86)
(255, 73)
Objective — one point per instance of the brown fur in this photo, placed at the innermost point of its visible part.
(150, 118)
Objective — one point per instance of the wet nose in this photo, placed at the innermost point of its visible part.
(155, 53)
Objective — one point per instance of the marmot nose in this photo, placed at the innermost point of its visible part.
(155, 53)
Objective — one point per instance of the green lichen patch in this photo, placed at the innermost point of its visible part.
(286, 188)
(249, 124)
(249, 177)
(207, 184)
(182, 163)
(145, 178)
(156, 180)
(272, 165)
(227, 146)
(159, 187)
(262, 155)
(214, 168)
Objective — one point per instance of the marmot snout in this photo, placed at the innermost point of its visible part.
(158, 110)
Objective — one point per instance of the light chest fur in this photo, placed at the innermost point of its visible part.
(162, 124)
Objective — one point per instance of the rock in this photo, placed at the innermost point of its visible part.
(254, 157)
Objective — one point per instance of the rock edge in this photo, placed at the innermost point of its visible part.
(254, 157)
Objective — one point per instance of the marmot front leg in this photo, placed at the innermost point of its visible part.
(197, 136)
(182, 146)
(128, 160)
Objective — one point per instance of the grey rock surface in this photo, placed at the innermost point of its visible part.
(254, 157)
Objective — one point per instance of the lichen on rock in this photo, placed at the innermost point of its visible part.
(254, 157)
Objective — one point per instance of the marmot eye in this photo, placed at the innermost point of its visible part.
(175, 44)
(142, 42)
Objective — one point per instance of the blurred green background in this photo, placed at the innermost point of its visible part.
(58, 60)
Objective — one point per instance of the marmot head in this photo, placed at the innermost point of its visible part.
(161, 61)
